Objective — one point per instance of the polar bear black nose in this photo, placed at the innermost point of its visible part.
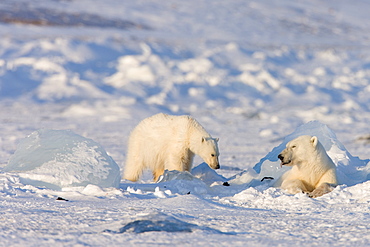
(280, 157)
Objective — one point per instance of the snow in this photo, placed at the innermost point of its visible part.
(56, 159)
(250, 72)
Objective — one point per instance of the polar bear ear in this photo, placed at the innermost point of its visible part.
(216, 139)
(203, 139)
(314, 141)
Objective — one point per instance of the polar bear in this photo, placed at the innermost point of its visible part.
(165, 142)
(313, 172)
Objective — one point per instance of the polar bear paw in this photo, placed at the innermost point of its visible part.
(321, 190)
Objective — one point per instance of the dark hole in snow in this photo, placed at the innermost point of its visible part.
(61, 199)
(267, 178)
(226, 184)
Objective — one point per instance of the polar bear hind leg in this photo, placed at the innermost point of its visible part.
(134, 166)
(133, 170)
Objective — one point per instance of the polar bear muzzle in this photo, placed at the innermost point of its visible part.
(216, 167)
(283, 160)
(214, 163)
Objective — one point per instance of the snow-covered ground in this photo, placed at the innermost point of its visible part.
(251, 72)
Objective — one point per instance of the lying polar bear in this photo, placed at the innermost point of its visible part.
(313, 172)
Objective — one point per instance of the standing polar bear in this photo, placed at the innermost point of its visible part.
(164, 142)
(313, 172)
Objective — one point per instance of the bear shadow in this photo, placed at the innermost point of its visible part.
(160, 222)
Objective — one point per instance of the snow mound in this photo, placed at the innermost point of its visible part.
(207, 174)
(57, 159)
(351, 170)
(183, 183)
(202, 180)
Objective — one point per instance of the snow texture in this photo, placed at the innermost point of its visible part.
(250, 71)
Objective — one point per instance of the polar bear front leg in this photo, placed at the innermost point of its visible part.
(181, 161)
(321, 190)
(294, 186)
(326, 184)
(157, 173)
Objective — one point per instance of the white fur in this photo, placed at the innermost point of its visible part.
(168, 142)
(313, 172)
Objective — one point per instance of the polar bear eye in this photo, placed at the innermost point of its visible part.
(212, 155)
(294, 146)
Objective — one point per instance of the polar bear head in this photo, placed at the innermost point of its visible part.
(301, 149)
(209, 152)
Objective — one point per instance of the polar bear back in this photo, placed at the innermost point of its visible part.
(167, 127)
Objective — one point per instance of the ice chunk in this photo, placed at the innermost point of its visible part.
(60, 158)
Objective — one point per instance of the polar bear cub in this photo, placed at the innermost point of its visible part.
(165, 142)
(313, 172)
